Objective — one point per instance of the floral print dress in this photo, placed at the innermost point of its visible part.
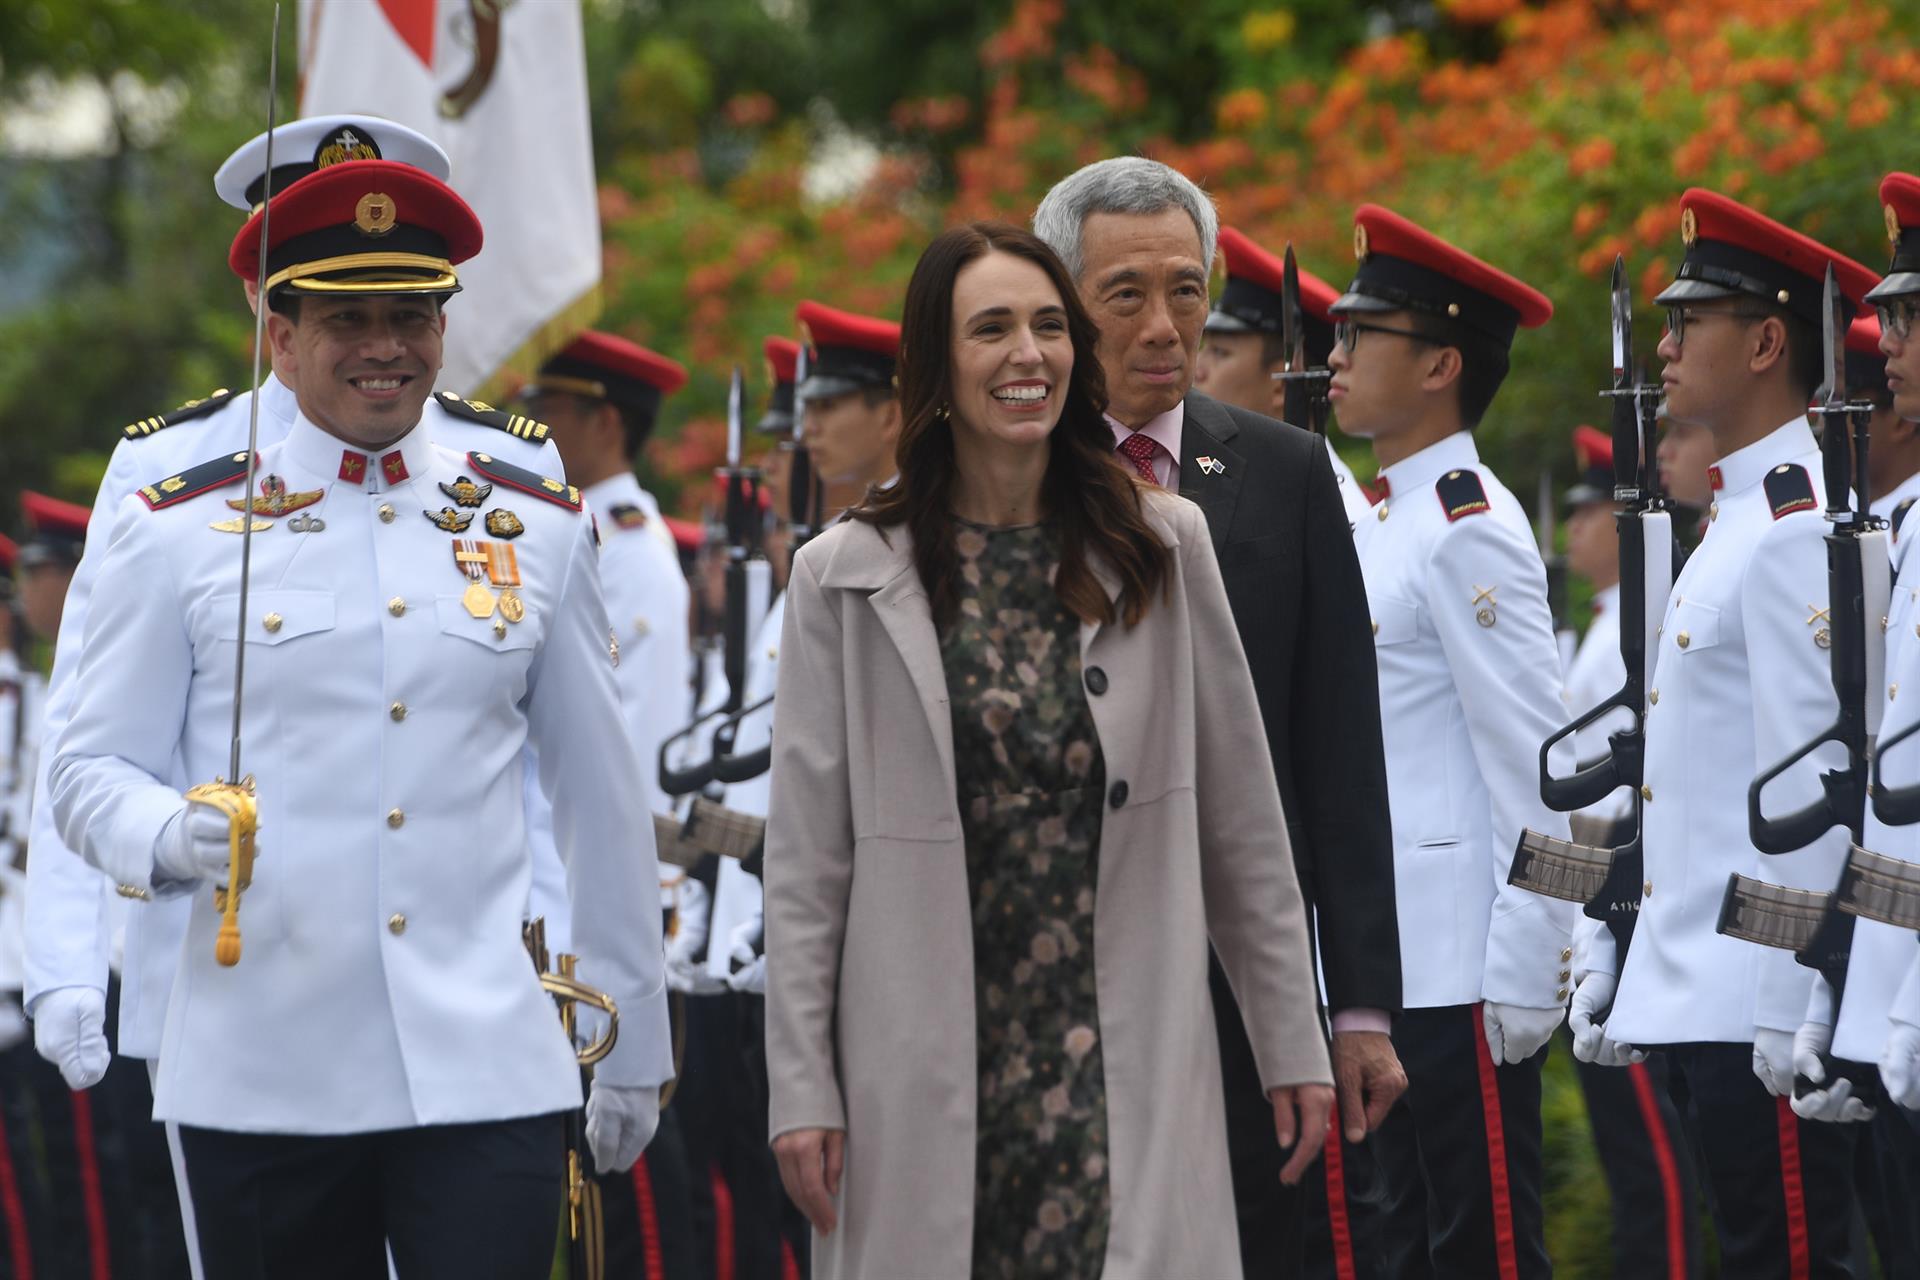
(1031, 790)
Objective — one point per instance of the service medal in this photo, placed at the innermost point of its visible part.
(503, 570)
(471, 560)
(478, 600)
(512, 607)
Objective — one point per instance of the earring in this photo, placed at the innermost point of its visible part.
(943, 412)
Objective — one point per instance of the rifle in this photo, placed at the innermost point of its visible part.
(1304, 389)
(1606, 881)
(586, 1228)
(1810, 923)
(747, 577)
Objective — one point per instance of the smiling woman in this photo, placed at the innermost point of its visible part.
(1012, 703)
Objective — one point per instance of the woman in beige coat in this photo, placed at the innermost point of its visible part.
(1019, 781)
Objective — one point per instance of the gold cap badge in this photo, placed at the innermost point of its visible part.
(1360, 242)
(1893, 223)
(375, 215)
(1689, 227)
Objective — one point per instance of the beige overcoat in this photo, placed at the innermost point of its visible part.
(870, 975)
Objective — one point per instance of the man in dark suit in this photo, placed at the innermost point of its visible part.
(1139, 239)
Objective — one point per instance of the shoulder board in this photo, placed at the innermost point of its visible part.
(1900, 516)
(195, 481)
(627, 516)
(1790, 489)
(185, 413)
(1461, 494)
(486, 415)
(559, 494)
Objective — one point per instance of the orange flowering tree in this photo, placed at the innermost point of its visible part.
(1547, 136)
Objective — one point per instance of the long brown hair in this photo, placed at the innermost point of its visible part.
(1094, 501)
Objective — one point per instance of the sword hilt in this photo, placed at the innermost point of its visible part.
(569, 993)
(236, 802)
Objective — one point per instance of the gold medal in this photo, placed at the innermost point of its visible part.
(503, 569)
(478, 600)
(512, 607)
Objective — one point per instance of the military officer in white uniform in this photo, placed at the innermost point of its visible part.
(1243, 355)
(416, 618)
(68, 939)
(1469, 685)
(1741, 679)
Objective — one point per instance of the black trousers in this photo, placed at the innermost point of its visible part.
(1346, 1204)
(648, 1210)
(1886, 1171)
(1649, 1168)
(1461, 1155)
(1782, 1187)
(454, 1202)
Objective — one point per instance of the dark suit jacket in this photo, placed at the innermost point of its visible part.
(1293, 580)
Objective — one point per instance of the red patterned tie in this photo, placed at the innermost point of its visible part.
(1139, 449)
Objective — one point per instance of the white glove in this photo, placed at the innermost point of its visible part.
(70, 1031)
(1773, 1060)
(1834, 1104)
(686, 968)
(193, 846)
(743, 950)
(620, 1124)
(1593, 996)
(1900, 1065)
(13, 1023)
(1515, 1032)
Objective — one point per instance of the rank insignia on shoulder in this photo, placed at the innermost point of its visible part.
(1790, 489)
(1461, 494)
(502, 523)
(466, 492)
(1900, 517)
(449, 520)
(195, 481)
(185, 413)
(627, 516)
(560, 495)
(479, 411)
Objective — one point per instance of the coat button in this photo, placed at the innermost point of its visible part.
(396, 819)
(397, 606)
(1653, 698)
(1646, 792)
(1376, 626)
(1566, 953)
(272, 623)
(1382, 510)
(396, 924)
(1646, 890)
(1096, 681)
(1561, 994)
(1117, 794)
(499, 629)
(1683, 639)
(1565, 974)
(397, 712)
(386, 513)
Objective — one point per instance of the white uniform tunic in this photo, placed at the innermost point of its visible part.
(1740, 680)
(1894, 507)
(71, 907)
(383, 983)
(1352, 497)
(1595, 674)
(1469, 688)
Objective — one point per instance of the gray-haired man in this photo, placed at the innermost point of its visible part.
(1139, 239)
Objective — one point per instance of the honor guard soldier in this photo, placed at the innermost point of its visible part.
(1244, 355)
(1893, 461)
(415, 619)
(852, 417)
(1636, 1128)
(601, 398)
(1470, 673)
(1741, 680)
(67, 948)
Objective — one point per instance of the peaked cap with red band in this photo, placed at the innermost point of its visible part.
(1734, 251)
(605, 366)
(1403, 266)
(1900, 204)
(846, 352)
(1251, 300)
(1593, 448)
(783, 361)
(373, 226)
(56, 530)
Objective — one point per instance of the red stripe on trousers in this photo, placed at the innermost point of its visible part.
(1799, 1263)
(789, 1269)
(1662, 1142)
(90, 1197)
(1337, 1224)
(1496, 1151)
(722, 1224)
(14, 1212)
(649, 1220)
